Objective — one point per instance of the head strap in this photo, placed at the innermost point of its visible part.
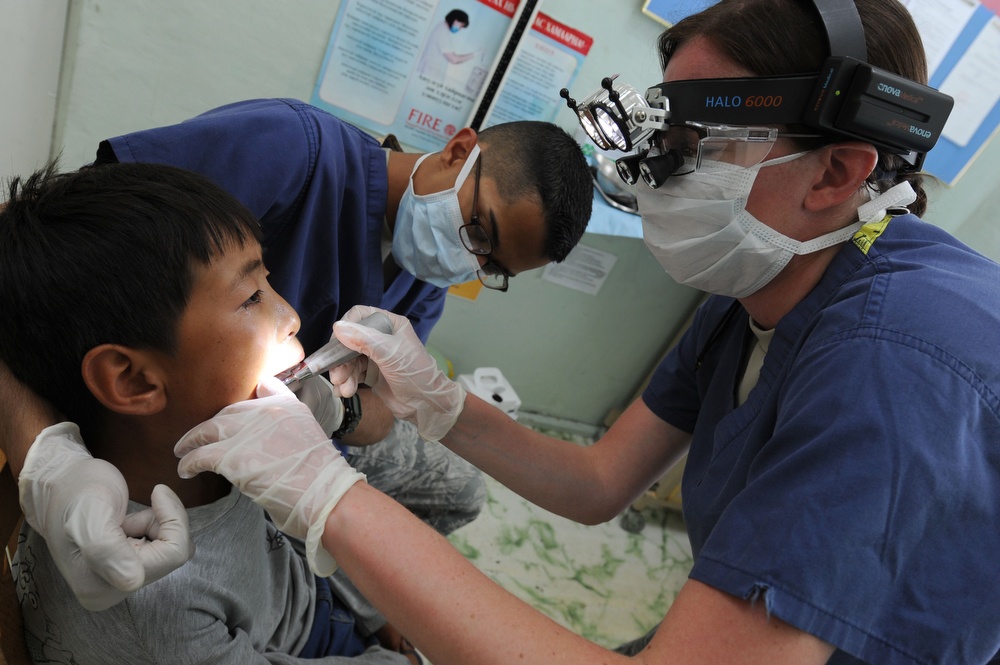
(844, 30)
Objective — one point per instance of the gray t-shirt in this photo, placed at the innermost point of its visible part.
(247, 596)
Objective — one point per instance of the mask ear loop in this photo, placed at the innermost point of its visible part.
(894, 199)
(470, 161)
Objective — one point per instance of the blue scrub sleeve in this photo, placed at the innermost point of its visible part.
(853, 518)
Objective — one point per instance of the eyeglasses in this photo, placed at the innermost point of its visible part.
(477, 240)
(686, 147)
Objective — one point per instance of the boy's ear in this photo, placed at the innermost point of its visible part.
(459, 146)
(846, 167)
(124, 380)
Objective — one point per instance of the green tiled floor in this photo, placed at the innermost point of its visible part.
(601, 582)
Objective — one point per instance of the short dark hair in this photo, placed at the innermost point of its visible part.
(788, 38)
(106, 254)
(456, 15)
(533, 158)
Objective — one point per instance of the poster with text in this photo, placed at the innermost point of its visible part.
(413, 68)
(545, 61)
(962, 41)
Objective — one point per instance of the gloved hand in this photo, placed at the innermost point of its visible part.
(408, 379)
(78, 504)
(273, 450)
(318, 394)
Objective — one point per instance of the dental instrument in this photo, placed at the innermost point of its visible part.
(331, 354)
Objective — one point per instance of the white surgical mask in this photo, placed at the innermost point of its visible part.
(425, 240)
(698, 228)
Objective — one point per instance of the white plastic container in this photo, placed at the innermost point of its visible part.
(489, 385)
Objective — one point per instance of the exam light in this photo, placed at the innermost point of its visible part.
(616, 116)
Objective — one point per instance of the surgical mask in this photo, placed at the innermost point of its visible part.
(698, 228)
(425, 240)
(455, 28)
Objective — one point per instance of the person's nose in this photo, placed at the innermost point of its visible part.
(289, 321)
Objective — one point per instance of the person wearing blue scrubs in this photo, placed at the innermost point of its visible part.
(349, 221)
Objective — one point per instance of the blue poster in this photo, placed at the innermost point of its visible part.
(669, 12)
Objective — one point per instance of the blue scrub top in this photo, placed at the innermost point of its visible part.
(318, 186)
(857, 490)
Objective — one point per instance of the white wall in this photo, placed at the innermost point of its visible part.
(31, 47)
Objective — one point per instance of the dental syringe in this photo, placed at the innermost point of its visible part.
(331, 354)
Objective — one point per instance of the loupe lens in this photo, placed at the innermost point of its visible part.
(655, 170)
(628, 168)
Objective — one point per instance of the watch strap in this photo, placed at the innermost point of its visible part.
(352, 416)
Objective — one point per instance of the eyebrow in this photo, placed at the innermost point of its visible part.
(248, 269)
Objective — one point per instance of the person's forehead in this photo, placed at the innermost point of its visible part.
(228, 268)
(700, 58)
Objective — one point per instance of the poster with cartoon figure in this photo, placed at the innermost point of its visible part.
(413, 68)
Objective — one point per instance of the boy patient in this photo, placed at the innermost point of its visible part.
(136, 301)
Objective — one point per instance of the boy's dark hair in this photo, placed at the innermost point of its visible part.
(529, 157)
(102, 255)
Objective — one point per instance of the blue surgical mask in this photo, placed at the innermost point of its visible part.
(425, 240)
(456, 28)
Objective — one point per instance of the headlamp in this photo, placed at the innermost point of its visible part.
(847, 99)
(615, 117)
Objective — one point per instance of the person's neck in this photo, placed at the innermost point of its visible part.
(399, 167)
(142, 449)
(779, 296)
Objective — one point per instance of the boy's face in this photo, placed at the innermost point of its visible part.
(235, 330)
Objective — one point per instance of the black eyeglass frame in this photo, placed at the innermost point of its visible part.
(491, 275)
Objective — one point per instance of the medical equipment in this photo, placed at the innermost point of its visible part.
(847, 99)
(331, 354)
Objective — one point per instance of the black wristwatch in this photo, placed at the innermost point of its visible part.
(352, 416)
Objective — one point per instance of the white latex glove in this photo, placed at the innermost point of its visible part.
(78, 504)
(273, 450)
(408, 379)
(318, 394)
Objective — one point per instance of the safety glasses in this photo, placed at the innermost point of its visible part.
(686, 147)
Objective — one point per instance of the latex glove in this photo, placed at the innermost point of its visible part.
(274, 451)
(318, 394)
(78, 504)
(408, 378)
